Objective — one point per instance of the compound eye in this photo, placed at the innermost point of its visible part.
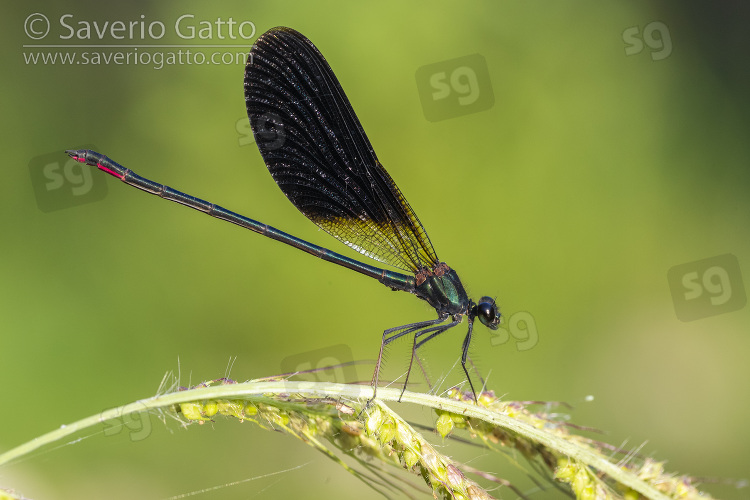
(488, 313)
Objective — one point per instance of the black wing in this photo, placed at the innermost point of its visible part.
(319, 155)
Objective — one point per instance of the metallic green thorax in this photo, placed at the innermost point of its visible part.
(444, 292)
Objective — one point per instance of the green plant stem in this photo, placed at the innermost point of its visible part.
(253, 390)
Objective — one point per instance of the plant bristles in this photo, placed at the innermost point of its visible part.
(330, 416)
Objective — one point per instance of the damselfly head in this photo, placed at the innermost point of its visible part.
(487, 312)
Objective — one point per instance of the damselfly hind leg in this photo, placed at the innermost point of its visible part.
(434, 332)
(392, 334)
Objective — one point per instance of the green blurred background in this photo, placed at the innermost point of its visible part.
(592, 175)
